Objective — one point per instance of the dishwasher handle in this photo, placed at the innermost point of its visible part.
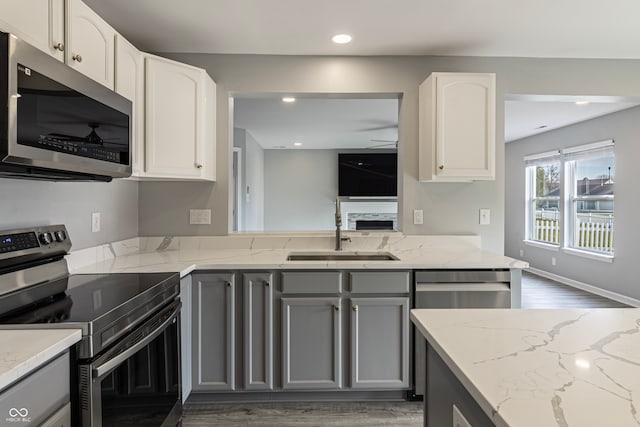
(462, 287)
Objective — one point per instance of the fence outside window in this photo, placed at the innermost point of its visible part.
(594, 231)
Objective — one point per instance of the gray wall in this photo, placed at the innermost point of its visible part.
(253, 191)
(26, 203)
(300, 189)
(624, 128)
(448, 208)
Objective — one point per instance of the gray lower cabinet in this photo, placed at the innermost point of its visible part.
(380, 343)
(258, 331)
(213, 332)
(311, 343)
(186, 291)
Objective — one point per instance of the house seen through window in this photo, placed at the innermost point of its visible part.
(570, 198)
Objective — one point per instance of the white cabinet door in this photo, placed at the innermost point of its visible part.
(129, 82)
(179, 140)
(38, 22)
(90, 43)
(457, 127)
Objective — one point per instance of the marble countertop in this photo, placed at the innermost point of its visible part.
(22, 351)
(185, 254)
(532, 368)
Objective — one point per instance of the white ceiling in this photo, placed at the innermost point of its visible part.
(541, 28)
(524, 118)
(329, 123)
(318, 123)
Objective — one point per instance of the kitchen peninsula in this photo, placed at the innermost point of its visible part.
(531, 368)
(270, 250)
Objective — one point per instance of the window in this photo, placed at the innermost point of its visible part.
(590, 176)
(570, 199)
(543, 197)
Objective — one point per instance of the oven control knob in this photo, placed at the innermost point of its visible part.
(60, 235)
(46, 238)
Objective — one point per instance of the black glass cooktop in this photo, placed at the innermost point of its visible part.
(88, 297)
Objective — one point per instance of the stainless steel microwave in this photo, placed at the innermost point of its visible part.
(56, 123)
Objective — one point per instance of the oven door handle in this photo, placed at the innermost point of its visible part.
(112, 363)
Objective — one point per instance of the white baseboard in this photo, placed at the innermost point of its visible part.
(585, 287)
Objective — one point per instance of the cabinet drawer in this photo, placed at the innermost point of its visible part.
(380, 282)
(312, 282)
(40, 394)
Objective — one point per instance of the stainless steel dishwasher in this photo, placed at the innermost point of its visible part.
(455, 289)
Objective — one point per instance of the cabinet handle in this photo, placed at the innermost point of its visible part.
(337, 307)
(441, 167)
(228, 284)
(59, 46)
(198, 165)
(355, 308)
(77, 57)
(266, 283)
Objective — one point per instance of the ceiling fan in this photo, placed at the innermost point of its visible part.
(387, 143)
(91, 138)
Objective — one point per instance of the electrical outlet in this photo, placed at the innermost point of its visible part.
(521, 252)
(418, 216)
(485, 216)
(553, 260)
(96, 222)
(200, 216)
(458, 419)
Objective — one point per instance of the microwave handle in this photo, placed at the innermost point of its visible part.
(112, 363)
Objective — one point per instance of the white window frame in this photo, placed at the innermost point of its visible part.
(570, 156)
(531, 162)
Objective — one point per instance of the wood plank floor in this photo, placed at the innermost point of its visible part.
(537, 292)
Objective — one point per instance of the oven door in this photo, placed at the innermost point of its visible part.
(136, 382)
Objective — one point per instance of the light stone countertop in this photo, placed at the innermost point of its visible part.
(532, 368)
(22, 351)
(185, 254)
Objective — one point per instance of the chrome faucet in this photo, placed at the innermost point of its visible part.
(339, 238)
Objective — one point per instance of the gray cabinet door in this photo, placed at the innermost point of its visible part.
(311, 343)
(258, 331)
(380, 343)
(213, 328)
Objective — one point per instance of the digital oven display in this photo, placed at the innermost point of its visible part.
(18, 242)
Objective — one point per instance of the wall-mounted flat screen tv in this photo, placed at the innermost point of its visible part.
(368, 174)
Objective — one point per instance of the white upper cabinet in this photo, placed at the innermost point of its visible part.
(38, 22)
(179, 121)
(457, 127)
(90, 43)
(129, 82)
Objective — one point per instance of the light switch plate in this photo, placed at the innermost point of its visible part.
(96, 222)
(200, 216)
(485, 216)
(418, 216)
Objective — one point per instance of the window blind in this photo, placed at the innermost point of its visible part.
(595, 149)
(542, 158)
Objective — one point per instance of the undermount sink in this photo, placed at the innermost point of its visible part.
(341, 256)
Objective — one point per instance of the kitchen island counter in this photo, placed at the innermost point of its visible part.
(532, 368)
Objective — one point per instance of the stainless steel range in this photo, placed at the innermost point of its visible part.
(127, 366)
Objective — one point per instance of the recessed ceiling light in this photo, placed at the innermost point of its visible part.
(582, 102)
(288, 99)
(341, 38)
(297, 144)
